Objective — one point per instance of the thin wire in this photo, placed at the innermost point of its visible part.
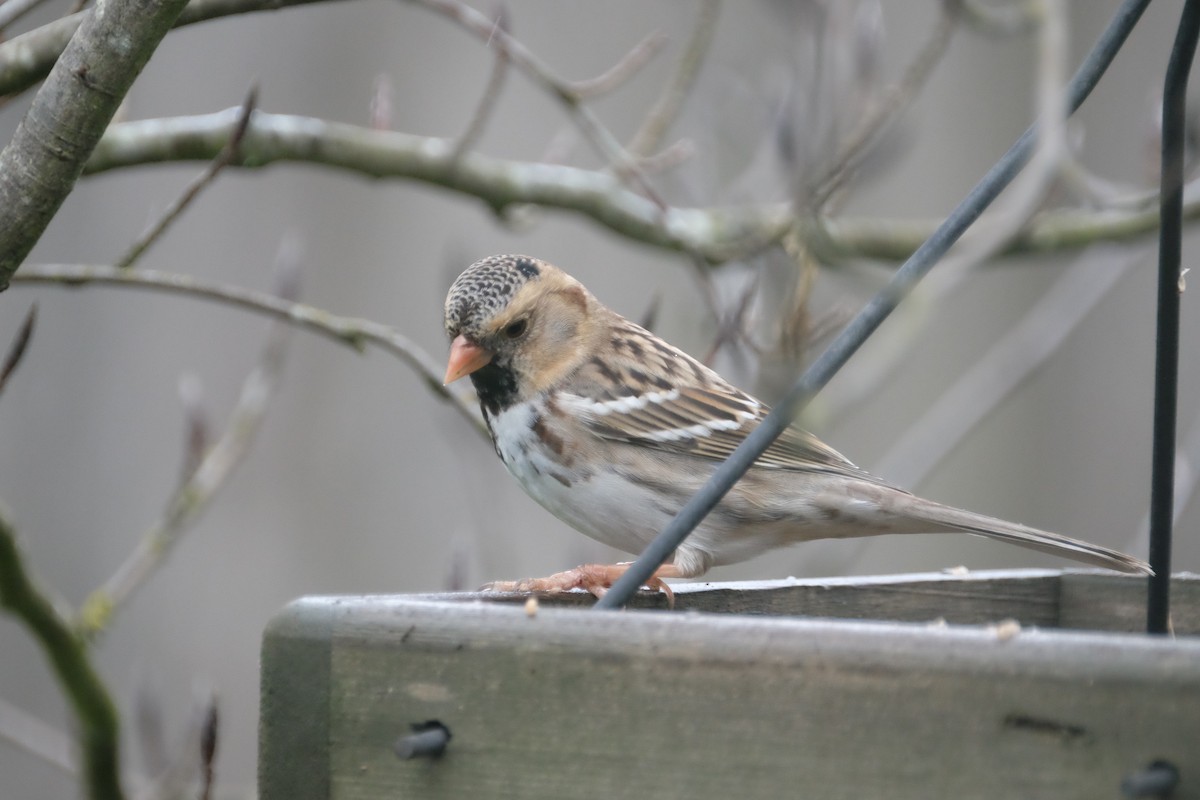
(871, 316)
(1166, 350)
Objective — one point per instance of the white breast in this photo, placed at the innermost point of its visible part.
(592, 499)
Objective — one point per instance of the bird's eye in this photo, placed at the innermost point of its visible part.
(516, 330)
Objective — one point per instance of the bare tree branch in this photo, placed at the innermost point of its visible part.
(347, 330)
(40, 165)
(26, 59)
(717, 234)
(67, 652)
(1049, 231)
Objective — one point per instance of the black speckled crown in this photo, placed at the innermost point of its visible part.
(484, 288)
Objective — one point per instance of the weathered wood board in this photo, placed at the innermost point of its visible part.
(755, 704)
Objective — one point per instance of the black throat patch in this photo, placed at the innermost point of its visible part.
(496, 385)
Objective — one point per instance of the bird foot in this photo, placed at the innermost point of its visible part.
(595, 578)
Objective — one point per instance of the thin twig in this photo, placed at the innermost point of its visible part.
(1101, 192)
(16, 351)
(228, 154)
(731, 326)
(208, 749)
(379, 113)
(794, 327)
(195, 494)
(1012, 211)
(669, 157)
(1187, 480)
(706, 283)
(1000, 19)
(491, 93)
(351, 331)
(894, 100)
(67, 651)
(649, 317)
(524, 59)
(666, 108)
(995, 230)
(176, 777)
(622, 71)
(195, 416)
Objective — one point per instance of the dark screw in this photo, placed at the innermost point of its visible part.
(428, 740)
(1157, 779)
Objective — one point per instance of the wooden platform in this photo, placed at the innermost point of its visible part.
(917, 686)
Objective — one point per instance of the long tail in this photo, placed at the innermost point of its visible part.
(933, 517)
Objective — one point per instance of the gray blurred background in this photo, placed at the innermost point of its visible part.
(362, 482)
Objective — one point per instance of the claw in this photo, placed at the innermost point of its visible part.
(660, 585)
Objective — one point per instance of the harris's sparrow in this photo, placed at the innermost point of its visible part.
(612, 430)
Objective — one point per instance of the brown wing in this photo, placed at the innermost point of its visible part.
(683, 407)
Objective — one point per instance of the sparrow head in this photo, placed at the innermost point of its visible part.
(526, 321)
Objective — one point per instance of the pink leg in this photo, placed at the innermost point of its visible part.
(596, 578)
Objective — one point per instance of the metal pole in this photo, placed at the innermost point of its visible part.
(1166, 350)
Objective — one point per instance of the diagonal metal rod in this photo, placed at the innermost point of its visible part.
(1166, 348)
(871, 316)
